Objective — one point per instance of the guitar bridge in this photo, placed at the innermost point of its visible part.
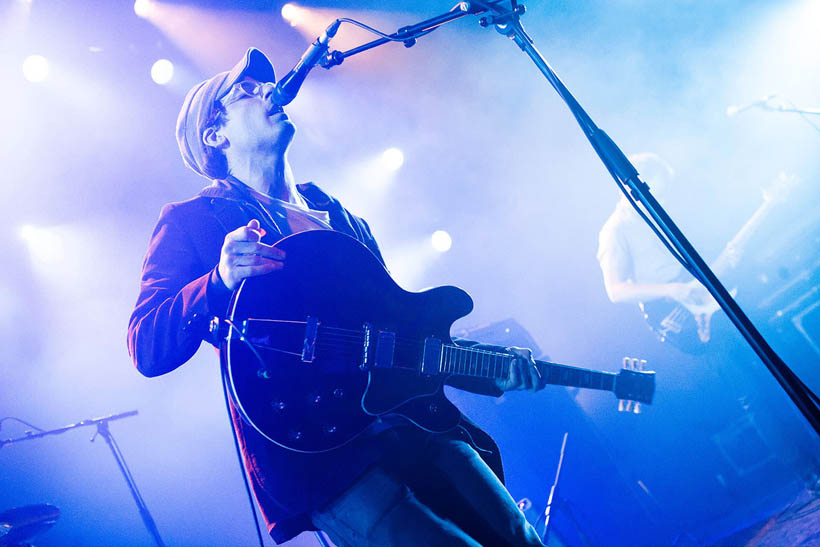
(309, 343)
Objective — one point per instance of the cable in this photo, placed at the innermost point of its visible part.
(382, 34)
(662, 236)
(239, 459)
(21, 421)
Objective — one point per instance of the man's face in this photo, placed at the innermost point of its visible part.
(253, 124)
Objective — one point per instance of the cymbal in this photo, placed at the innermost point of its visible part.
(21, 523)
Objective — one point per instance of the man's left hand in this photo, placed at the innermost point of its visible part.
(524, 374)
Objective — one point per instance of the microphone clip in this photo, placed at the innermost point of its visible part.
(502, 20)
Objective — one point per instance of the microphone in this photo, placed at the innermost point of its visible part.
(732, 110)
(287, 88)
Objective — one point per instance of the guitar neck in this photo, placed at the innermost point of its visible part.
(489, 364)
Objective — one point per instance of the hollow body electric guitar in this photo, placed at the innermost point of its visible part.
(317, 352)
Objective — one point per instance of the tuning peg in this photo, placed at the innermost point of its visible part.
(637, 408)
(625, 405)
(631, 363)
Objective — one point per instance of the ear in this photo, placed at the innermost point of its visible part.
(213, 138)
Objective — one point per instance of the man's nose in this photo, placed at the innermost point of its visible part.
(266, 89)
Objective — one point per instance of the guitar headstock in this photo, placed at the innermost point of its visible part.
(634, 385)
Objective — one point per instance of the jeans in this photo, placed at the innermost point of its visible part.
(431, 489)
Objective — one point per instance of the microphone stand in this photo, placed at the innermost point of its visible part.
(626, 177)
(508, 23)
(804, 113)
(548, 509)
(409, 34)
(104, 432)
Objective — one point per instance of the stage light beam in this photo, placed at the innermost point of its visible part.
(441, 241)
(293, 14)
(44, 245)
(143, 8)
(392, 159)
(35, 68)
(162, 71)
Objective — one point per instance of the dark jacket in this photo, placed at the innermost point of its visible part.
(180, 292)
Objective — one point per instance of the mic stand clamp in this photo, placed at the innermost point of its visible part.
(502, 20)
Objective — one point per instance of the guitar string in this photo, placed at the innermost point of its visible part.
(464, 360)
(477, 368)
(356, 335)
(352, 332)
(461, 363)
(492, 370)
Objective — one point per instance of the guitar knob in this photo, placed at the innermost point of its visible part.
(433, 408)
(330, 429)
(295, 435)
(317, 399)
(338, 393)
(263, 373)
(279, 406)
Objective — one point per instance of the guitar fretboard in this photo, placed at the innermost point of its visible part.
(489, 364)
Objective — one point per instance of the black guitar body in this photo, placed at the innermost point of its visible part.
(314, 400)
(674, 324)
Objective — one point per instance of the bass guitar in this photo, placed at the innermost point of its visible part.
(322, 349)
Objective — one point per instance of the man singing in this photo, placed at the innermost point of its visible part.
(399, 485)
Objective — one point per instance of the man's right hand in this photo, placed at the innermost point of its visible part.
(694, 297)
(243, 255)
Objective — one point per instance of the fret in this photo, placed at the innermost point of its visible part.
(490, 364)
(571, 376)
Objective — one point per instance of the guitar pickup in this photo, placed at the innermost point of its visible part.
(431, 358)
(385, 349)
(379, 354)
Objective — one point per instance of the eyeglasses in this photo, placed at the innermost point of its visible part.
(243, 90)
